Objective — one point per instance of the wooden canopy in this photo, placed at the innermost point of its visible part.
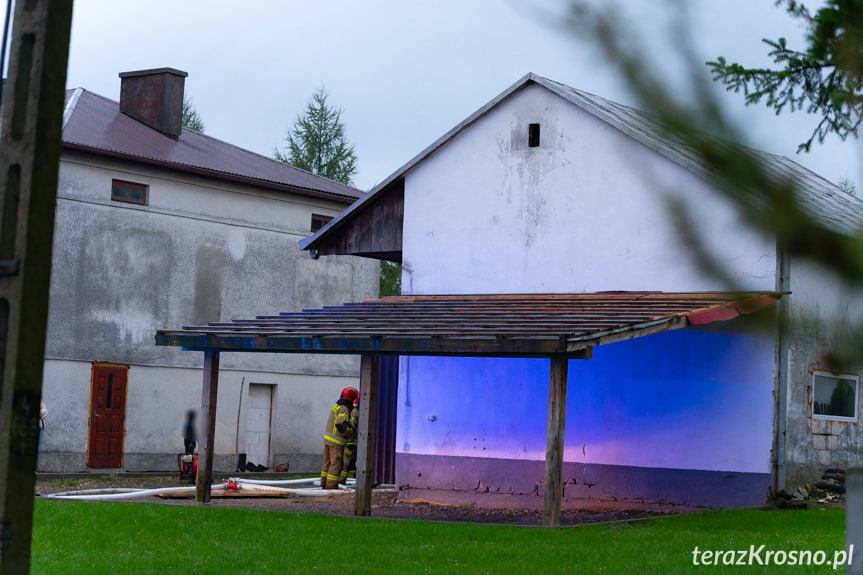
(548, 325)
(554, 326)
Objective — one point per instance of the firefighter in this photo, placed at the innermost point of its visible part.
(350, 462)
(336, 436)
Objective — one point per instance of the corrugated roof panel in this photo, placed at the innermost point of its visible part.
(821, 198)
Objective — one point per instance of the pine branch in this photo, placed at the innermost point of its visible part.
(825, 80)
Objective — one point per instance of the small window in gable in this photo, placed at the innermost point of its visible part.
(533, 136)
(129, 192)
(319, 221)
(834, 396)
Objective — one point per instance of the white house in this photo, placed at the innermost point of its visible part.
(161, 224)
(548, 189)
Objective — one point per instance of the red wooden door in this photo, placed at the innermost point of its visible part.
(107, 416)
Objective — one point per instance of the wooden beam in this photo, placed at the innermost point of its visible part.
(366, 435)
(378, 231)
(29, 160)
(347, 345)
(554, 442)
(209, 395)
(627, 332)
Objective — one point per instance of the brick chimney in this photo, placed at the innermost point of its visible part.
(154, 97)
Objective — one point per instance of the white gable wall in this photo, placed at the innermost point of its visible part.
(586, 211)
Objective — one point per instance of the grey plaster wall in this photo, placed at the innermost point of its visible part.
(825, 315)
(200, 251)
(156, 402)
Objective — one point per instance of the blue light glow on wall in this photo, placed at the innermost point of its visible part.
(699, 398)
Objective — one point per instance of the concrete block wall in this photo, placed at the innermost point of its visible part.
(825, 316)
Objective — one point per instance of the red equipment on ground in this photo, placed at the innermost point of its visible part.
(188, 465)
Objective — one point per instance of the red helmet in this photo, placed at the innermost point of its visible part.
(351, 394)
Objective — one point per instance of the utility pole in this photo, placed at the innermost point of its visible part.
(32, 111)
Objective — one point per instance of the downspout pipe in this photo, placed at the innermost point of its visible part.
(782, 357)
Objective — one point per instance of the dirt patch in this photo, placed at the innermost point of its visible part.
(387, 505)
(384, 505)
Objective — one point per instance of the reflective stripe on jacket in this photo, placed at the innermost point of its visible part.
(339, 415)
(354, 420)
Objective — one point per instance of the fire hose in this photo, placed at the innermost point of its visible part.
(120, 494)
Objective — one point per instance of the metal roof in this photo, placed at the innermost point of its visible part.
(823, 199)
(836, 208)
(93, 123)
(535, 325)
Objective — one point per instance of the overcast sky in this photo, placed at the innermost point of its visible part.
(405, 72)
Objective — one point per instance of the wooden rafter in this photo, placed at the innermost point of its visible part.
(543, 325)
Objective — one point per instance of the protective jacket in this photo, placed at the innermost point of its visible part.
(350, 461)
(336, 435)
(339, 429)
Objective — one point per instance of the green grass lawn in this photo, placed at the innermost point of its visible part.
(143, 538)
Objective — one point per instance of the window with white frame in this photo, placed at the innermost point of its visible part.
(834, 396)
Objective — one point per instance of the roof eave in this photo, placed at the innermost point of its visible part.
(312, 241)
(343, 199)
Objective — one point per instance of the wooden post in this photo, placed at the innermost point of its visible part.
(854, 519)
(554, 442)
(209, 395)
(366, 435)
(29, 160)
